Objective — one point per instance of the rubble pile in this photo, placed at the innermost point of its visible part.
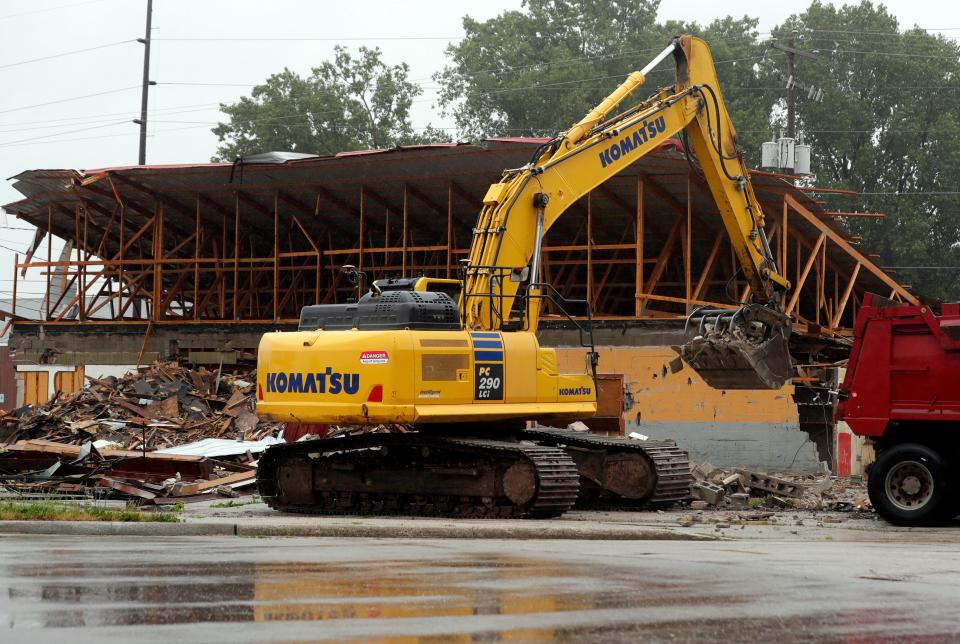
(161, 435)
(164, 406)
(741, 489)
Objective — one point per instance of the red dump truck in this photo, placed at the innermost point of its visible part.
(902, 391)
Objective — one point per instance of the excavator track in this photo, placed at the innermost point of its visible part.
(619, 473)
(415, 474)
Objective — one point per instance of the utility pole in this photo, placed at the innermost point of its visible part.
(792, 53)
(142, 121)
(791, 91)
(786, 154)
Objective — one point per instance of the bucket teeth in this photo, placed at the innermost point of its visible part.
(747, 348)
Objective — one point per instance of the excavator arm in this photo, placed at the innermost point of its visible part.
(740, 347)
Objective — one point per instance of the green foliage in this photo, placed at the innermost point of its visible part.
(889, 123)
(537, 71)
(53, 511)
(353, 102)
(889, 120)
(534, 72)
(232, 503)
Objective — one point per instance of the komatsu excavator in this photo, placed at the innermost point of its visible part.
(457, 363)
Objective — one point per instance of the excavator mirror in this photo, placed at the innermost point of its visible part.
(350, 273)
(356, 278)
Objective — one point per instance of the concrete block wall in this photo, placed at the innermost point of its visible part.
(729, 428)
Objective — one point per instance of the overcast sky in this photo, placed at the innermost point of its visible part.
(207, 51)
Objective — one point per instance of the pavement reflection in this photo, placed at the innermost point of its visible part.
(238, 590)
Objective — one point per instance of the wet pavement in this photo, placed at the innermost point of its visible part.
(228, 589)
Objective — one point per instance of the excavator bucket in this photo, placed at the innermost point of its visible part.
(742, 349)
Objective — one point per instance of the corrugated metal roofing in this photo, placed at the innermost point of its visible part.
(324, 192)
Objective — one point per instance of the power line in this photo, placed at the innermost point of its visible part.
(67, 100)
(47, 136)
(543, 87)
(98, 118)
(254, 84)
(847, 131)
(182, 83)
(429, 87)
(895, 194)
(610, 56)
(307, 39)
(85, 138)
(501, 71)
(13, 250)
(877, 33)
(278, 120)
(884, 53)
(198, 107)
(48, 9)
(38, 138)
(66, 53)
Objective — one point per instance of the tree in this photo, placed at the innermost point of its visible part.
(533, 72)
(354, 102)
(537, 71)
(888, 127)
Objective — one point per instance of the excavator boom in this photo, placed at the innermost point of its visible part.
(744, 347)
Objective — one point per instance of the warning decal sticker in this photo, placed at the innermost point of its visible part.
(374, 357)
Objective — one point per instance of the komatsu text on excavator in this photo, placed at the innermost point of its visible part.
(458, 364)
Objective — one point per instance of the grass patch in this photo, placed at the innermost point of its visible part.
(232, 504)
(52, 511)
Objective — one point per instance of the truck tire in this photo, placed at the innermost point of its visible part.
(910, 484)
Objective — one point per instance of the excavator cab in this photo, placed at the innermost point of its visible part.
(746, 348)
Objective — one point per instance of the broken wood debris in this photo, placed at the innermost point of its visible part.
(110, 438)
(164, 406)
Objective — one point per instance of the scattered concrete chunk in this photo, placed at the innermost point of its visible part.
(823, 486)
(733, 484)
(705, 471)
(709, 492)
(772, 484)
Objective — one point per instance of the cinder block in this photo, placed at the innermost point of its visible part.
(709, 492)
(733, 484)
(772, 484)
(705, 471)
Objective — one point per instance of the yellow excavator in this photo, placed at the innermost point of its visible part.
(457, 364)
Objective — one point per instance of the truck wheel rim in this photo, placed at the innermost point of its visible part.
(909, 485)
